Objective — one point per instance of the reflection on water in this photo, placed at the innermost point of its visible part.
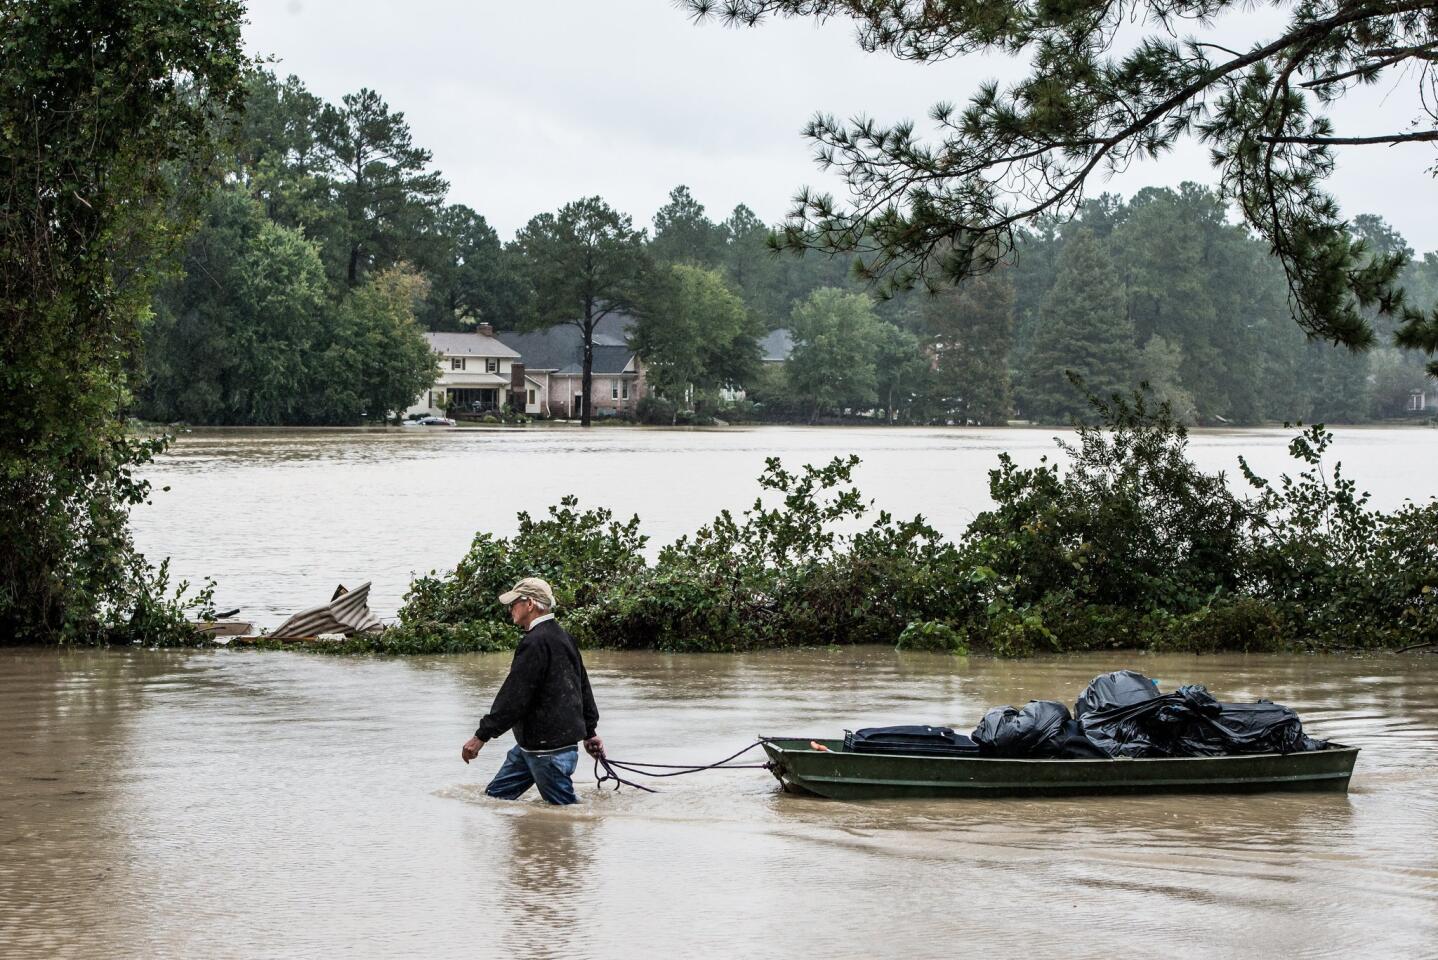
(278, 517)
(244, 804)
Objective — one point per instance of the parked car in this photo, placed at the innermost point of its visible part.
(429, 422)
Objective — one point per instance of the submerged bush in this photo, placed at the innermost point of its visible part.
(1128, 545)
(933, 635)
(1350, 576)
(580, 552)
(1131, 522)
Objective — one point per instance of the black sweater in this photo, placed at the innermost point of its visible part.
(546, 697)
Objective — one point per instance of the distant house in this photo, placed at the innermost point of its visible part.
(774, 350)
(478, 374)
(1422, 399)
(555, 357)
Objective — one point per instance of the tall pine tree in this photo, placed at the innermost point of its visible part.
(1084, 328)
(969, 333)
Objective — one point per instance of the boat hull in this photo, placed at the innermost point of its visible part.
(842, 775)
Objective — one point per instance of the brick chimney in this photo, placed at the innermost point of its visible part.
(487, 329)
(518, 392)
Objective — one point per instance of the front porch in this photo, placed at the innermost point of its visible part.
(474, 399)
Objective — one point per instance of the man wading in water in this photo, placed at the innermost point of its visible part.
(546, 699)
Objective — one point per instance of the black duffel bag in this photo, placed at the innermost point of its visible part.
(912, 740)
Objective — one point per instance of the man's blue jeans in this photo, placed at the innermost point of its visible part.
(548, 771)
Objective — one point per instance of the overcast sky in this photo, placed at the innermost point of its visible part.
(527, 104)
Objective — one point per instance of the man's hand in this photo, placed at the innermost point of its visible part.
(470, 750)
(594, 747)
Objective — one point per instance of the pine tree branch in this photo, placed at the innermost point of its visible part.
(1391, 55)
(1354, 141)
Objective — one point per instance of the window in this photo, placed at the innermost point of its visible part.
(614, 389)
(491, 365)
(624, 389)
(456, 363)
(531, 396)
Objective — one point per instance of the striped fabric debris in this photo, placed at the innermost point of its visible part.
(348, 613)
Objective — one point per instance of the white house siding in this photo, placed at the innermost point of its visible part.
(536, 394)
(470, 362)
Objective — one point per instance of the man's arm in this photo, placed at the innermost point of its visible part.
(531, 659)
(592, 744)
(591, 710)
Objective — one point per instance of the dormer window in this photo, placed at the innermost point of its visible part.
(456, 363)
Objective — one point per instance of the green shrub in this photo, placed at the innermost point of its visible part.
(1354, 576)
(933, 635)
(579, 552)
(1077, 627)
(1008, 632)
(668, 609)
(1131, 522)
(1242, 624)
(656, 411)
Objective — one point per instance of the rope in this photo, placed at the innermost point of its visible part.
(673, 770)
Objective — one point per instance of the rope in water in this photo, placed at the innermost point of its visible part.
(673, 770)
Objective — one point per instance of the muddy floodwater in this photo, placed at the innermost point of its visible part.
(248, 804)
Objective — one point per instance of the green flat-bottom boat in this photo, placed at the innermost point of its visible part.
(842, 774)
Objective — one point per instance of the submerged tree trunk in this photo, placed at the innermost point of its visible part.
(587, 380)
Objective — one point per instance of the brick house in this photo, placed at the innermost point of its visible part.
(554, 357)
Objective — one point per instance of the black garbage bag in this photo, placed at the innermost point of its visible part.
(920, 740)
(1262, 727)
(1190, 723)
(1043, 729)
(1147, 726)
(1107, 691)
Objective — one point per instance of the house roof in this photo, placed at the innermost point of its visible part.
(777, 346)
(561, 346)
(468, 344)
(608, 359)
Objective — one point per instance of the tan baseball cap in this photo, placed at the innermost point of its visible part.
(530, 588)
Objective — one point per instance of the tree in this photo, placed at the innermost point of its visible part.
(922, 210)
(1337, 382)
(1159, 365)
(1035, 267)
(682, 232)
(899, 370)
(99, 102)
(1189, 279)
(387, 196)
(693, 331)
(235, 334)
(472, 277)
(969, 330)
(378, 361)
(836, 337)
(584, 263)
(1085, 330)
(278, 156)
(752, 267)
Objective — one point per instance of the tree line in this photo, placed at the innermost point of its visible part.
(328, 247)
